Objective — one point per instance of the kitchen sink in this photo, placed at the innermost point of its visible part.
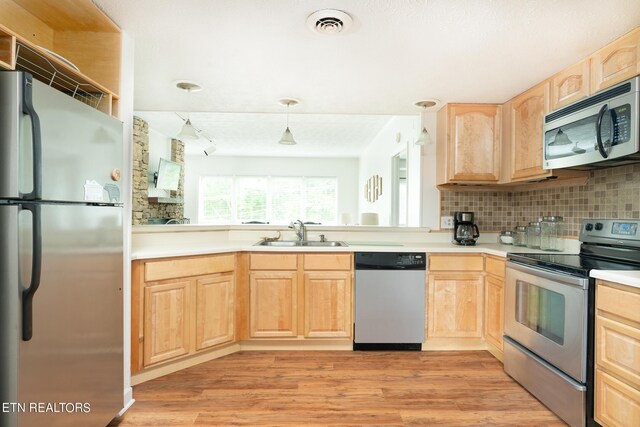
(292, 243)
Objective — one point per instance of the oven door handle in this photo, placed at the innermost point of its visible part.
(551, 275)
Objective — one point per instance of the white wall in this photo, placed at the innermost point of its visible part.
(345, 169)
(430, 193)
(399, 134)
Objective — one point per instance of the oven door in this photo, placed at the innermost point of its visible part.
(546, 312)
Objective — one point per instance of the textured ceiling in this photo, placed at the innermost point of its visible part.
(247, 54)
(251, 134)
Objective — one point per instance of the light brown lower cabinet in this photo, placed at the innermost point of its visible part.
(183, 316)
(455, 305)
(327, 304)
(494, 310)
(181, 306)
(215, 310)
(617, 376)
(494, 302)
(274, 307)
(166, 321)
(300, 295)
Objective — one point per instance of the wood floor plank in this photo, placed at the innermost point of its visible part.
(320, 388)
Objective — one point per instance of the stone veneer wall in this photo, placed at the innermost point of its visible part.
(142, 209)
(609, 193)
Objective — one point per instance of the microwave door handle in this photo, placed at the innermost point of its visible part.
(599, 144)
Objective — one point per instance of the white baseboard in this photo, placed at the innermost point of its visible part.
(128, 400)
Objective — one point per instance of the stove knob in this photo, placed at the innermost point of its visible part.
(599, 226)
(588, 227)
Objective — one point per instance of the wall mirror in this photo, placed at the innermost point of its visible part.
(251, 178)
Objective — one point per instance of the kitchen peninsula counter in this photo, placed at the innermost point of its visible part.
(162, 241)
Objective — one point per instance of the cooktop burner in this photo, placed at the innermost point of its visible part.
(571, 263)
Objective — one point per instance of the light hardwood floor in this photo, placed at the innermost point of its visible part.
(305, 388)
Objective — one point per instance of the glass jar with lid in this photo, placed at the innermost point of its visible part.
(552, 233)
(507, 237)
(520, 236)
(533, 235)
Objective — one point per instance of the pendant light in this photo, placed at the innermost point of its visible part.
(287, 136)
(188, 131)
(424, 138)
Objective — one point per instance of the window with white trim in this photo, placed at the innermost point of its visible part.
(267, 199)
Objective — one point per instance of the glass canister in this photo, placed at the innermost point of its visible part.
(507, 237)
(520, 236)
(533, 235)
(552, 232)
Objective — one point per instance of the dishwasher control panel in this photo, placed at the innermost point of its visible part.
(390, 261)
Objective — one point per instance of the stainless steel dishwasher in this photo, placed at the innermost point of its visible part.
(390, 300)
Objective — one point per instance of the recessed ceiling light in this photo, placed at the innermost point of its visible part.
(427, 103)
(329, 22)
(188, 86)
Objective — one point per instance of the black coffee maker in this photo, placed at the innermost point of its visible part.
(465, 232)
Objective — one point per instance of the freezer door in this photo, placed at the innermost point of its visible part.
(80, 146)
(9, 124)
(9, 311)
(75, 355)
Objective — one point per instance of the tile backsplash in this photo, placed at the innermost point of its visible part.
(609, 193)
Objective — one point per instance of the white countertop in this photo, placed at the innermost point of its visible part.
(222, 247)
(624, 277)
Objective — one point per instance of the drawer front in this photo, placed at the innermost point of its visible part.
(273, 262)
(618, 349)
(443, 262)
(617, 301)
(495, 266)
(328, 261)
(185, 267)
(616, 404)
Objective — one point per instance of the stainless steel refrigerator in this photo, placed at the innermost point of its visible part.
(61, 259)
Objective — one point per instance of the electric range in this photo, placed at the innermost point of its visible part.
(550, 316)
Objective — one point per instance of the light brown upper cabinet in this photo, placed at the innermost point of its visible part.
(30, 31)
(468, 144)
(570, 85)
(616, 62)
(527, 116)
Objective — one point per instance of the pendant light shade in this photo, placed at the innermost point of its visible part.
(287, 136)
(424, 138)
(188, 132)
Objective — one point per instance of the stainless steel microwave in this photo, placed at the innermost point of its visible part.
(598, 131)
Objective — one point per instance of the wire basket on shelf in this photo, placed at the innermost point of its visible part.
(42, 69)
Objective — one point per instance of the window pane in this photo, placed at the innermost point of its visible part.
(215, 199)
(251, 199)
(321, 196)
(286, 199)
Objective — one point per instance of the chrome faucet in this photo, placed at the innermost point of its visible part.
(300, 230)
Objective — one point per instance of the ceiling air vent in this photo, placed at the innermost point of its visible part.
(329, 21)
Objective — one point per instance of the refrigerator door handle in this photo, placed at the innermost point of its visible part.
(36, 267)
(27, 108)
